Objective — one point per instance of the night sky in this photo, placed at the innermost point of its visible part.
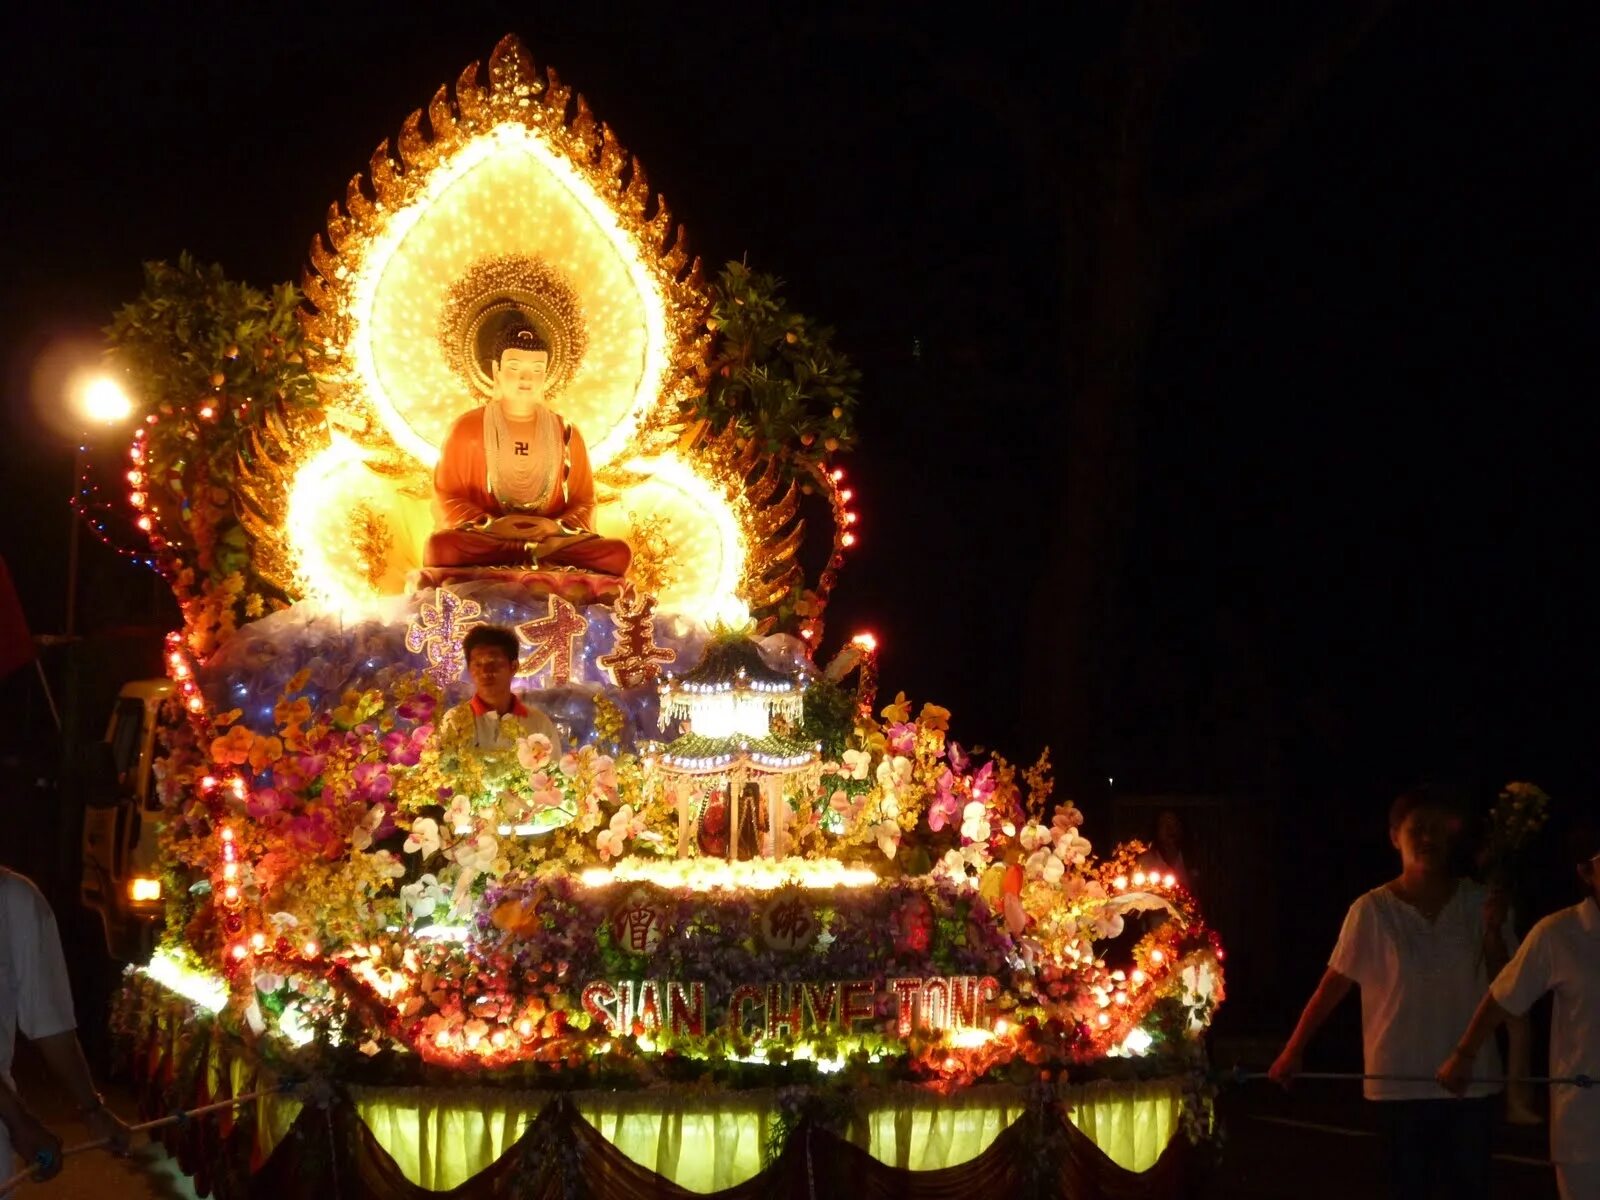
(1346, 536)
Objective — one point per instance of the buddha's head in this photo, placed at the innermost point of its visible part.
(520, 366)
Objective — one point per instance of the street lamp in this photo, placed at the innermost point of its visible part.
(97, 399)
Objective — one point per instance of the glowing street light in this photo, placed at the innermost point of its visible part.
(98, 400)
(101, 400)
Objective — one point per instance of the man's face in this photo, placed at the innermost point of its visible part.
(1425, 838)
(521, 373)
(490, 671)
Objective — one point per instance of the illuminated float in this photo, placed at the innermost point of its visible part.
(735, 924)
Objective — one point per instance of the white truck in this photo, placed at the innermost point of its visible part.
(121, 825)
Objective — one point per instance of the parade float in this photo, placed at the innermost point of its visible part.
(740, 923)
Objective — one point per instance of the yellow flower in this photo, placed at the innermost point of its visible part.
(266, 750)
(935, 717)
(292, 712)
(235, 747)
(900, 710)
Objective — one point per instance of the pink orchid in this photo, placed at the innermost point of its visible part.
(268, 804)
(902, 737)
(545, 793)
(983, 783)
(944, 806)
(372, 782)
(534, 752)
(405, 749)
(419, 706)
(959, 762)
(613, 841)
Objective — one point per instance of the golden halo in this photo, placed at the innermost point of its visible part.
(498, 290)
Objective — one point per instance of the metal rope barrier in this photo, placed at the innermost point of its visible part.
(46, 1160)
(1241, 1075)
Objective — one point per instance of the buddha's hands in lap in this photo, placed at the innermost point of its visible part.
(519, 527)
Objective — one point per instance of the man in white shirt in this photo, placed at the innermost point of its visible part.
(1421, 949)
(35, 997)
(495, 716)
(1560, 955)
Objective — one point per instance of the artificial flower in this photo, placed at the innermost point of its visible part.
(366, 829)
(975, 822)
(857, 763)
(534, 752)
(424, 837)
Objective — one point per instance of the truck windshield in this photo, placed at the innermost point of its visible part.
(125, 731)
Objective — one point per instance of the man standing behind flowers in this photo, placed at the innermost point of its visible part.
(495, 717)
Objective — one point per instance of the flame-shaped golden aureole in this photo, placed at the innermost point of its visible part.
(519, 198)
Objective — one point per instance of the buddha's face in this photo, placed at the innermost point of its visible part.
(520, 375)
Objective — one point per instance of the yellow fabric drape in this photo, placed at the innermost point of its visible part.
(706, 1143)
(1131, 1122)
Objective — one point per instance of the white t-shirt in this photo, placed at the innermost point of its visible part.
(35, 995)
(1562, 955)
(1420, 984)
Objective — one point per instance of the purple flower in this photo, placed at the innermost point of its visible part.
(944, 805)
(267, 804)
(296, 772)
(417, 707)
(959, 762)
(903, 737)
(405, 749)
(983, 784)
(372, 783)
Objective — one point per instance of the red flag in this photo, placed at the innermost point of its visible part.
(16, 643)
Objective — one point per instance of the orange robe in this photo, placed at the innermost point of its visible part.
(463, 504)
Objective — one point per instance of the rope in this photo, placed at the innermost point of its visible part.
(46, 1159)
(1240, 1075)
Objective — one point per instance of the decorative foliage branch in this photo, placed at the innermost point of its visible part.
(774, 374)
(209, 360)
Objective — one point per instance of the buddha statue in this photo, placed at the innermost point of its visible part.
(513, 487)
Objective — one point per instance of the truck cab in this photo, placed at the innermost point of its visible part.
(121, 825)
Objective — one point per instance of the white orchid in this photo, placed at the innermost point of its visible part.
(894, 773)
(1042, 864)
(423, 838)
(478, 854)
(534, 752)
(388, 864)
(887, 835)
(458, 817)
(361, 835)
(1106, 922)
(423, 896)
(1035, 835)
(856, 762)
(960, 865)
(613, 840)
(1071, 848)
(975, 822)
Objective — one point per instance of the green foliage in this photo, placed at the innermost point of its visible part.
(775, 375)
(830, 717)
(209, 358)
